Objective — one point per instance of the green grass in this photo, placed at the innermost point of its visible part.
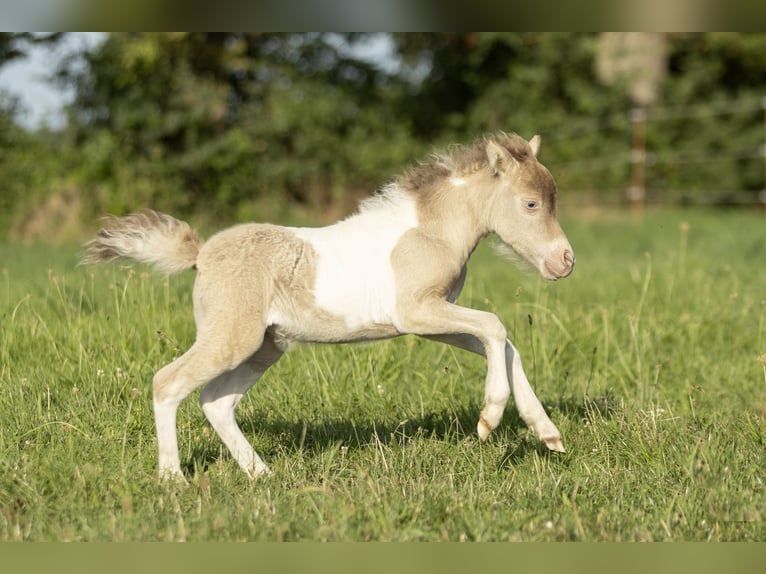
(649, 358)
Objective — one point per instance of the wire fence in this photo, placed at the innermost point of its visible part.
(710, 153)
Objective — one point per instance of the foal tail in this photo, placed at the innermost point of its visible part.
(166, 243)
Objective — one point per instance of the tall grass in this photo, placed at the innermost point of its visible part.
(650, 359)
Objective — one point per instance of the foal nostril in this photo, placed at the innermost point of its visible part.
(569, 258)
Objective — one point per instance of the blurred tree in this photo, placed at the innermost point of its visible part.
(525, 82)
(707, 138)
(636, 60)
(245, 125)
(27, 160)
(13, 45)
(183, 120)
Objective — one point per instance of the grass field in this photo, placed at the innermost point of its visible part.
(651, 359)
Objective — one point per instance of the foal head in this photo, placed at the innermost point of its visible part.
(523, 205)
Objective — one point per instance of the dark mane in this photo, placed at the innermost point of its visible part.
(460, 160)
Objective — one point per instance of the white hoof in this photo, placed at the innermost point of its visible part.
(554, 443)
(483, 429)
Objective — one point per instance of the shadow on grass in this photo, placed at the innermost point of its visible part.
(276, 438)
(453, 426)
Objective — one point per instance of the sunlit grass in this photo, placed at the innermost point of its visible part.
(649, 358)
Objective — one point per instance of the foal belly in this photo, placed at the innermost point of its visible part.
(325, 328)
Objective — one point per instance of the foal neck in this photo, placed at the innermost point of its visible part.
(455, 209)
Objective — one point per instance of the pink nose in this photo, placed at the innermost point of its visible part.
(561, 268)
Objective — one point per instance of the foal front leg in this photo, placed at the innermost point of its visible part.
(527, 403)
(477, 331)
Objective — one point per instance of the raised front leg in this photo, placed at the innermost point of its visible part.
(527, 403)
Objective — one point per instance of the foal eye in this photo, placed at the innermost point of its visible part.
(531, 204)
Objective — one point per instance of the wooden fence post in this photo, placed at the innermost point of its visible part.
(637, 190)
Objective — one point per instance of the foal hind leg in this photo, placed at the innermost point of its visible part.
(219, 400)
(208, 358)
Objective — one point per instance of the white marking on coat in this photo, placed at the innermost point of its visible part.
(354, 277)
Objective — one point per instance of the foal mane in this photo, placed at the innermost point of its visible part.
(460, 160)
(456, 161)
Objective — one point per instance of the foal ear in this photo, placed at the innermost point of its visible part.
(499, 158)
(534, 143)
